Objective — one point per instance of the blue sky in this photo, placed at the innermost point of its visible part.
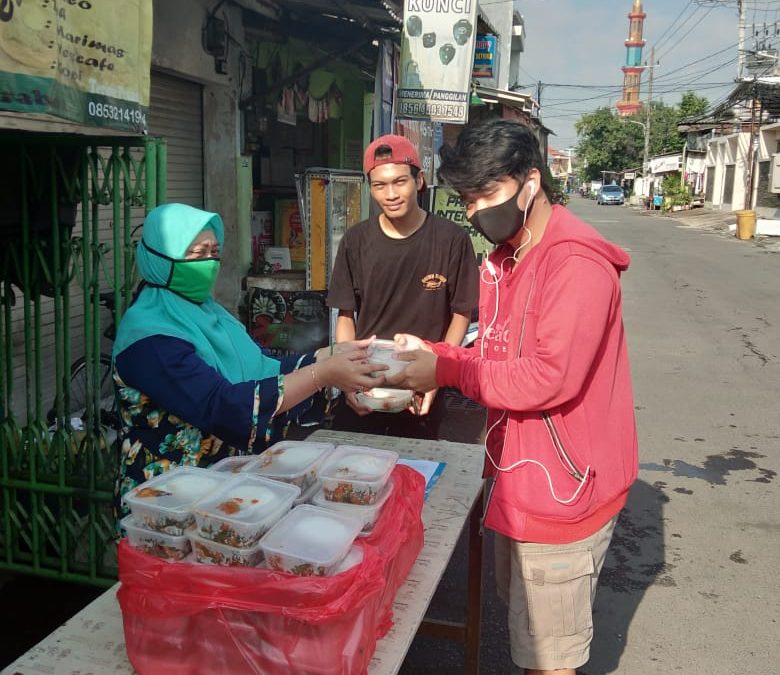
(580, 42)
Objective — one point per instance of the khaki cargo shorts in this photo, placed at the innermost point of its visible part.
(549, 590)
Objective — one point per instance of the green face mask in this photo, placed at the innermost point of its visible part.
(194, 279)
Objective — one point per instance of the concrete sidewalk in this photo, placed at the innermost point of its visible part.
(719, 222)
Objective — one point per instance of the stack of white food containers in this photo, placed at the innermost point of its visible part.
(253, 509)
(356, 481)
(161, 510)
(231, 520)
(356, 475)
(294, 462)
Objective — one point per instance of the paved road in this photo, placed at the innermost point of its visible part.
(691, 580)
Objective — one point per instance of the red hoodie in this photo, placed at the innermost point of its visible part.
(555, 379)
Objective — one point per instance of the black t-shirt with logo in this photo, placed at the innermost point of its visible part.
(411, 285)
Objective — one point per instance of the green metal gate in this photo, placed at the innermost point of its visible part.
(68, 208)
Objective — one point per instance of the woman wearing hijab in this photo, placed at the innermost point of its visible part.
(192, 385)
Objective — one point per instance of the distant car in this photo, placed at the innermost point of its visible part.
(610, 194)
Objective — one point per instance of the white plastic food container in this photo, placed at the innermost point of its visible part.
(232, 464)
(164, 503)
(386, 400)
(295, 462)
(243, 509)
(354, 557)
(368, 514)
(356, 475)
(310, 541)
(166, 546)
(213, 553)
(384, 351)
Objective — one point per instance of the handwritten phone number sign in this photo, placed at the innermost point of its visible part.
(87, 61)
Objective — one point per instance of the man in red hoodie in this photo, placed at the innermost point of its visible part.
(551, 366)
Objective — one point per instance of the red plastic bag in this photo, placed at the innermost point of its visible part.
(184, 618)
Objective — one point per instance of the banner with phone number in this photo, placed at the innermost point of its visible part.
(86, 61)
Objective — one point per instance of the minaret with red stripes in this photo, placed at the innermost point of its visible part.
(632, 71)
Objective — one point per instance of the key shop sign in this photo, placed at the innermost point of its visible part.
(86, 61)
(437, 56)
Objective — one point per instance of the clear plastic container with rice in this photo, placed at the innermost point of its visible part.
(356, 475)
(233, 464)
(381, 399)
(353, 557)
(166, 546)
(243, 509)
(384, 352)
(164, 503)
(213, 553)
(310, 541)
(368, 514)
(295, 462)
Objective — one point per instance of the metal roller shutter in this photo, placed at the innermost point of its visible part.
(176, 114)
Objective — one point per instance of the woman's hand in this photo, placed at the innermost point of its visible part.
(325, 353)
(350, 371)
(419, 375)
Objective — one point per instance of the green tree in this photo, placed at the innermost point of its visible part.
(691, 105)
(609, 143)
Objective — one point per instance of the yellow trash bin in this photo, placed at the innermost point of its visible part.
(746, 224)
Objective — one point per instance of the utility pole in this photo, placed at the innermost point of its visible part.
(651, 67)
(741, 40)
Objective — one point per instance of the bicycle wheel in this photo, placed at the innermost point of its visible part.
(78, 390)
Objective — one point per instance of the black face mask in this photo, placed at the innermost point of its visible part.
(498, 224)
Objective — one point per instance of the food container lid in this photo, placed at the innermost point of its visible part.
(386, 400)
(232, 464)
(288, 459)
(247, 499)
(358, 463)
(311, 533)
(175, 491)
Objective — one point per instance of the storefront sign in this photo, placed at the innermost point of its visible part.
(485, 57)
(83, 60)
(665, 164)
(437, 57)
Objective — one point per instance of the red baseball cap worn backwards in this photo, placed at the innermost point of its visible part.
(402, 151)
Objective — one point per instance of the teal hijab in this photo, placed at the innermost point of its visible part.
(219, 339)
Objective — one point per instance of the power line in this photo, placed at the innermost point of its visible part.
(661, 39)
(684, 36)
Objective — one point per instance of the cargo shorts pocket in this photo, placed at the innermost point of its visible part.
(558, 589)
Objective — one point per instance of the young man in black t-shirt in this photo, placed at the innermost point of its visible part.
(403, 271)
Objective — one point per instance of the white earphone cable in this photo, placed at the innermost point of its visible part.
(496, 280)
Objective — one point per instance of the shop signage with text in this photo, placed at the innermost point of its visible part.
(437, 57)
(83, 60)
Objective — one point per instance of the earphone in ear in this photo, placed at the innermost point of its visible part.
(532, 185)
